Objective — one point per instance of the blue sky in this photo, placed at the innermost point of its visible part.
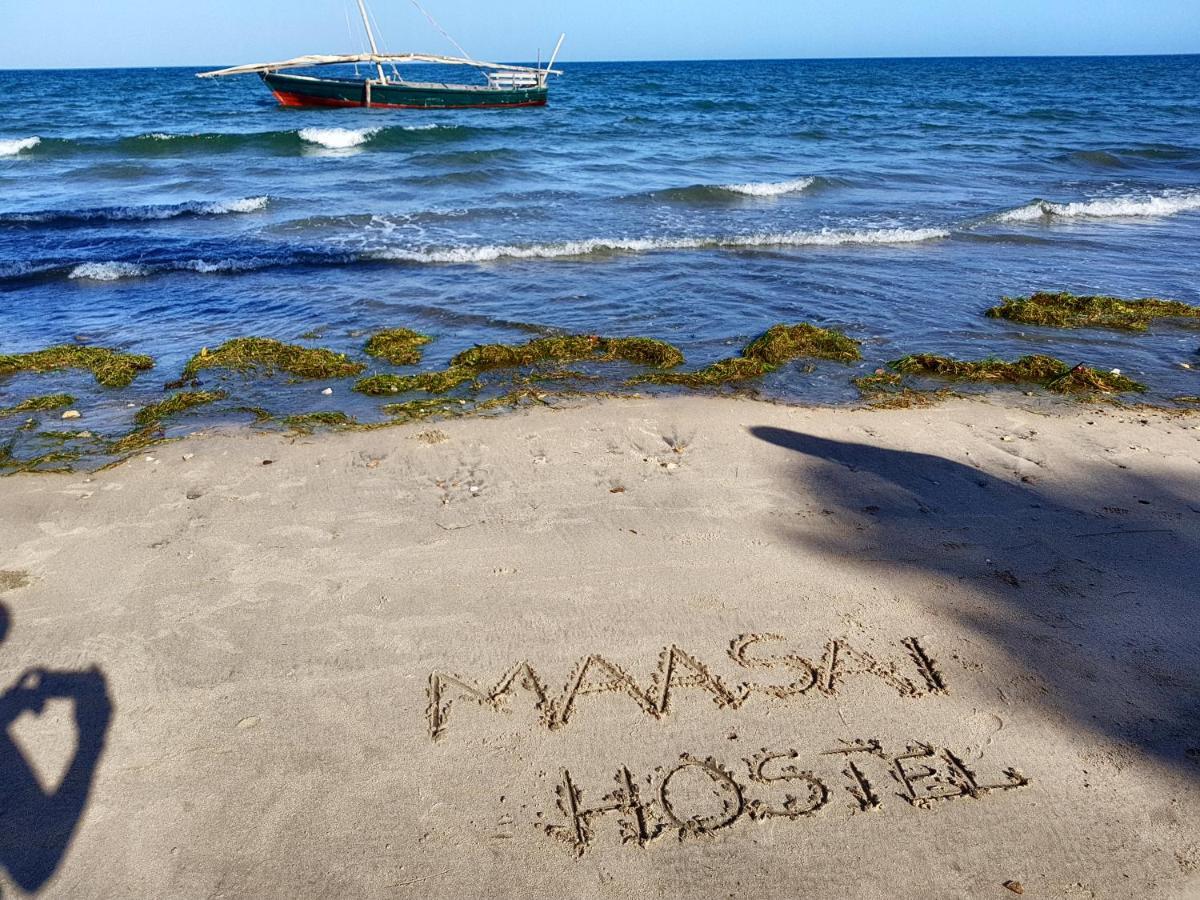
(51, 33)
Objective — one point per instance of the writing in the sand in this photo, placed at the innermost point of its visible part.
(701, 797)
(778, 675)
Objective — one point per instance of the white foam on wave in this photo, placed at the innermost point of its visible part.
(1153, 206)
(595, 246)
(222, 266)
(338, 138)
(18, 145)
(18, 269)
(153, 213)
(244, 205)
(108, 271)
(770, 188)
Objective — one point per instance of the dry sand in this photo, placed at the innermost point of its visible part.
(673, 647)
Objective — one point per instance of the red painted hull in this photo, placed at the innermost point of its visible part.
(294, 100)
(307, 91)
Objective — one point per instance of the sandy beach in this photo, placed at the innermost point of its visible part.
(634, 648)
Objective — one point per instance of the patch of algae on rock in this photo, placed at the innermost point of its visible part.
(175, 404)
(766, 353)
(416, 410)
(469, 364)
(38, 404)
(267, 355)
(399, 346)
(1053, 374)
(110, 368)
(1064, 310)
(10, 464)
(429, 382)
(306, 423)
(888, 390)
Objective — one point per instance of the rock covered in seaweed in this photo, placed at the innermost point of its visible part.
(110, 368)
(1064, 310)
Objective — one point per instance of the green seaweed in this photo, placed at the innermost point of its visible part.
(306, 423)
(399, 346)
(416, 410)
(773, 348)
(260, 414)
(175, 404)
(469, 364)
(888, 390)
(65, 437)
(431, 382)
(1051, 373)
(723, 371)
(37, 404)
(878, 381)
(569, 348)
(12, 465)
(137, 440)
(524, 396)
(782, 343)
(267, 355)
(540, 377)
(1064, 310)
(110, 368)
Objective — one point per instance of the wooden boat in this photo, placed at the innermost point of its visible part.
(506, 85)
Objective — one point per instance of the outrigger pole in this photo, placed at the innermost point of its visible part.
(550, 66)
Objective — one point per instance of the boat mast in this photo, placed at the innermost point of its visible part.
(362, 8)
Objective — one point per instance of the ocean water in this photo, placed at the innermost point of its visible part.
(696, 202)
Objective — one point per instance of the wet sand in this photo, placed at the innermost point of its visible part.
(638, 648)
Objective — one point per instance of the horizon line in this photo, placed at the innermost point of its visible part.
(967, 56)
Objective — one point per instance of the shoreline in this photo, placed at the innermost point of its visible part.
(523, 400)
(421, 660)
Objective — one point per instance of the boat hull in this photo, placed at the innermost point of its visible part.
(306, 91)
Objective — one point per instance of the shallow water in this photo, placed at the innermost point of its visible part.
(695, 202)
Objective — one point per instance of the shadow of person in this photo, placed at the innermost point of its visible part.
(36, 824)
(1089, 575)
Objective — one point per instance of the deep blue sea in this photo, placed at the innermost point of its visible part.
(696, 202)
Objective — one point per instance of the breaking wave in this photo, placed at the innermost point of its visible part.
(731, 193)
(18, 145)
(601, 247)
(222, 262)
(338, 138)
(281, 143)
(770, 188)
(349, 138)
(107, 271)
(137, 213)
(116, 270)
(1108, 208)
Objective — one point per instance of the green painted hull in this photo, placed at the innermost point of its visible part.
(301, 90)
